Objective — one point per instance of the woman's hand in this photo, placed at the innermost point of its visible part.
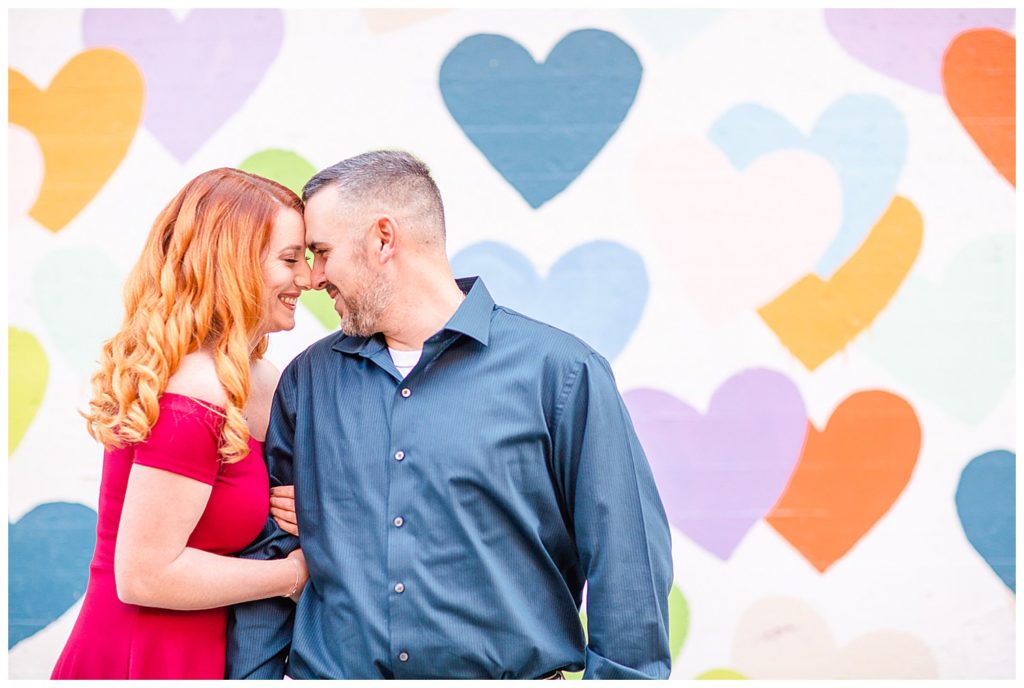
(282, 508)
(299, 557)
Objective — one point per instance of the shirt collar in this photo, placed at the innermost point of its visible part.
(472, 318)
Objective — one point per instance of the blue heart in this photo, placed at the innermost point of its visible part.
(49, 552)
(596, 291)
(540, 125)
(863, 136)
(986, 504)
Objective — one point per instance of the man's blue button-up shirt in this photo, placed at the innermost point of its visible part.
(450, 519)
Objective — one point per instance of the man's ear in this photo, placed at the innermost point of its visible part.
(385, 238)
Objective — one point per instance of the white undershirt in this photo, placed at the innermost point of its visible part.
(405, 360)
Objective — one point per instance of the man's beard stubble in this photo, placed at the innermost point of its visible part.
(364, 312)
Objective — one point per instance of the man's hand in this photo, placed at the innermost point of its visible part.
(282, 508)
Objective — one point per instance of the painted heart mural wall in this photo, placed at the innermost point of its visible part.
(791, 232)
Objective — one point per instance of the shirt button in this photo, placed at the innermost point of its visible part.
(399, 521)
(399, 587)
(403, 656)
(406, 392)
(399, 455)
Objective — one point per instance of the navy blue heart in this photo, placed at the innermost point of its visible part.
(986, 503)
(540, 125)
(596, 291)
(49, 551)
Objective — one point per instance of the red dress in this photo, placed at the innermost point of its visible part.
(114, 640)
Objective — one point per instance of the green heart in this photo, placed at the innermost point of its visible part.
(953, 342)
(293, 170)
(721, 675)
(678, 626)
(284, 167)
(322, 306)
(28, 372)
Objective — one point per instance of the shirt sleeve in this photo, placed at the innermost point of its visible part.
(183, 441)
(260, 632)
(622, 533)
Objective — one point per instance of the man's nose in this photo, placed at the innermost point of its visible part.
(304, 277)
(319, 279)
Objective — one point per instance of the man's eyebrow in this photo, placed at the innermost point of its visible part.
(316, 245)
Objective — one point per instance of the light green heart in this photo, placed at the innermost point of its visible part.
(678, 626)
(953, 343)
(283, 166)
(28, 371)
(293, 170)
(721, 675)
(77, 293)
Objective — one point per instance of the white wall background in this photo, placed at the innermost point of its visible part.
(912, 598)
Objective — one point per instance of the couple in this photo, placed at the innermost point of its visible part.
(459, 470)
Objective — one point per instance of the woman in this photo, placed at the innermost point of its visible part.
(181, 404)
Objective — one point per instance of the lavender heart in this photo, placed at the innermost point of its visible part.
(198, 72)
(720, 473)
(908, 44)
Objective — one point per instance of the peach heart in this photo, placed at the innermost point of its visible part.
(737, 237)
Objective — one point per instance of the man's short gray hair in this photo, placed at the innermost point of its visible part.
(393, 177)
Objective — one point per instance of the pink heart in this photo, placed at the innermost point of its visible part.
(909, 44)
(737, 239)
(198, 72)
(721, 473)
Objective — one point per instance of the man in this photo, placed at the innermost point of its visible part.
(460, 471)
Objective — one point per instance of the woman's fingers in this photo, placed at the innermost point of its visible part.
(289, 527)
(283, 503)
(283, 491)
(282, 508)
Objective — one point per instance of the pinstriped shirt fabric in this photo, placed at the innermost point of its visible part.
(450, 519)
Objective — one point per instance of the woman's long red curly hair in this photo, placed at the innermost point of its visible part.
(198, 282)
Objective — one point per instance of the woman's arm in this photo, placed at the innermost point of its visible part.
(153, 567)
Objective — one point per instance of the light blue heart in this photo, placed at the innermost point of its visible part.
(986, 505)
(669, 29)
(864, 137)
(77, 292)
(540, 125)
(49, 552)
(953, 342)
(596, 291)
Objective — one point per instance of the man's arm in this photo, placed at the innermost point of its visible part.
(260, 632)
(621, 531)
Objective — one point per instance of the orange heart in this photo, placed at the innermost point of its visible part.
(848, 476)
(979, 74)
(84, 122)
(815, 318)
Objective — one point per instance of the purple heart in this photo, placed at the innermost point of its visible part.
(909, 44)
(721, 473)
(198, 72)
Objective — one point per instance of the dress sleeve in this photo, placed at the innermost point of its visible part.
(183, 441)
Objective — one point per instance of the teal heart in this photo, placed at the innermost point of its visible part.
(49, 551)
(540, 125)
(986, 502)
(77, 293)
(953, 342)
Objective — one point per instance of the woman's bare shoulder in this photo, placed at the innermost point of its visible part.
(196, 377)
(265, 376)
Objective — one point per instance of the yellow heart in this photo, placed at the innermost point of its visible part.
(816, 318)
(84, 122)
